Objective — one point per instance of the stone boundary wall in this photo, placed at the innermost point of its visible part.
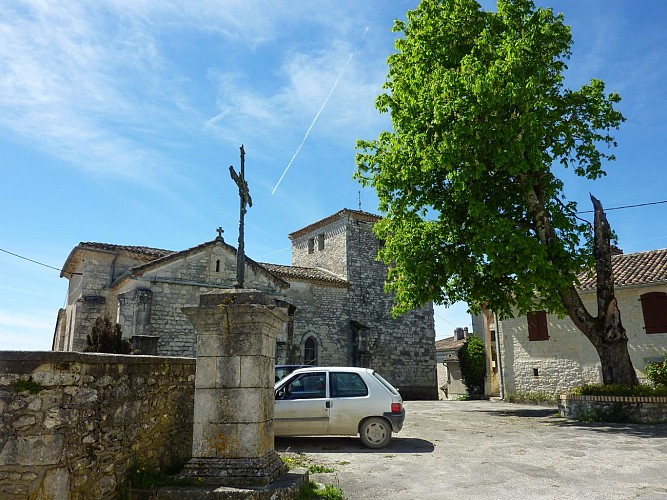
(639, 409)
(72, 423)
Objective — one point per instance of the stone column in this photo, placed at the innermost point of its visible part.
(234, 401)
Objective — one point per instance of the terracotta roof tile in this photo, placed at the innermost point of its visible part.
(639, 268)
(357, 214)
(448, 344)
(143, 253)
(305, 273)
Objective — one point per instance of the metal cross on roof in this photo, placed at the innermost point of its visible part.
(245, 199)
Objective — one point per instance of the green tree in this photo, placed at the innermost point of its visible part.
(467, 178)
(472, 359)
(106, 337)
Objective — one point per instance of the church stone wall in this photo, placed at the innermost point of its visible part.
(402, 349)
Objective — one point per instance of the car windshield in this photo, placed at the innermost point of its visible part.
(389, 387)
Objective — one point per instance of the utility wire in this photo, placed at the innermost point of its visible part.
(584, 212)
(626, 206)
(29, 260)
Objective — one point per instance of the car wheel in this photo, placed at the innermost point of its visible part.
(375, 432)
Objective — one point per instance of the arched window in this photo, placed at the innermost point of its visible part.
(217, 266)
(310, 351)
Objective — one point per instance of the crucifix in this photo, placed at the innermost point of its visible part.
(244, 195)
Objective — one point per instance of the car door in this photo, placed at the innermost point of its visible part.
(350, 402)
(302, 406)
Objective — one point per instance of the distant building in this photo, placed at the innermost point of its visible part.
(335, 286)
(450, 381)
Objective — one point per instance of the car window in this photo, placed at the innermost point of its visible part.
(390, 387)
(347, 385)
(306, 386)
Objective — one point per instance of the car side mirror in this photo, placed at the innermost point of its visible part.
(280, 393)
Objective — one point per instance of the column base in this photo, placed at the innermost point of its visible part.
(235, 471)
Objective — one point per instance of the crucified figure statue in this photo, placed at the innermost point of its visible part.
(244, 195)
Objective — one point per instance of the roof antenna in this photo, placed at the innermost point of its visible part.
(360, 201)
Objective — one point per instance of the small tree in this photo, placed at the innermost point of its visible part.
(107, 337)
(657, 373)
(472, 358)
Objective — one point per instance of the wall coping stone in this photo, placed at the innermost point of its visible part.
(89, 357)
(620, 399)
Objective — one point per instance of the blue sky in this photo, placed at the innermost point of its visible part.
(119, 120)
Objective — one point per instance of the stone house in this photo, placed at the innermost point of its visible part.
(334, 291)
(543, 353)
(450, 380)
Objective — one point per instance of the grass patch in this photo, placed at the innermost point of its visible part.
(313, 491)
(297, 460)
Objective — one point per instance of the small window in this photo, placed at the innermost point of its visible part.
(654, 308)
(311, 245)
(217, 266)
(310, 351)
(320, 242)
(347, 385)
(536, 372)
(537, 326)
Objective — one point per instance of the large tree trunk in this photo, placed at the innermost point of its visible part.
(606, 331)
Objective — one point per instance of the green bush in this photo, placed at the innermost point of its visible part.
(107, 337)
(536, 398)
(619, 390)
(472, 359)
(657, 373)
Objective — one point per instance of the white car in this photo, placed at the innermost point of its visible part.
(322, 400)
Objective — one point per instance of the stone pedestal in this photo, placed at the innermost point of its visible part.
(234, 400)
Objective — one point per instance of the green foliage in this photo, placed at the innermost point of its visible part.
(536, 398)
(467, 178)
(472, 359)
(313, 491)
(294, 461)
(619, 390)
(105, 337)
(28, 386)
(657, 373)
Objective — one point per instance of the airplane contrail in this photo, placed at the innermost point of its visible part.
(317, 115)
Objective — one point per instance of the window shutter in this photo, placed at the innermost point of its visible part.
(537, 326)
(654, 308)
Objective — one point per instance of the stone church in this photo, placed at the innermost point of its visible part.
(334, 292)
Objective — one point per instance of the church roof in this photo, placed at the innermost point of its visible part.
(641, 268)
(346, 212)
(306, 274)
(146, 254)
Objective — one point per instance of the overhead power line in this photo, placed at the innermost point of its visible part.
(29, 260)
(625, 206)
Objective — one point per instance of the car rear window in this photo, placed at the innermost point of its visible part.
(389, 387)
(347, 385)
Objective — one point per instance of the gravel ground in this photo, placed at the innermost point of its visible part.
(494, 450)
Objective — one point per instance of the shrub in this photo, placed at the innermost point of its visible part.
(105, 337)
(657, 373)
(472, 357)
(537, 398)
